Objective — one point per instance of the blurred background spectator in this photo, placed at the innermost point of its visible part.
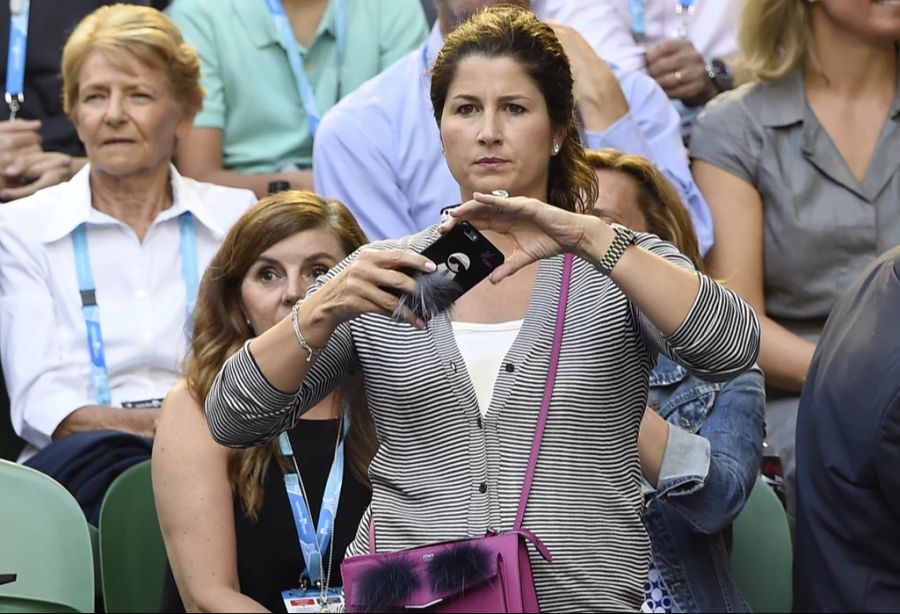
(98, 274)
(271, 69)
(798, 172)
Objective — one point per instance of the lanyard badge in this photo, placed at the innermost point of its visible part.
(315, 594)
(298, 600)
(15, 58)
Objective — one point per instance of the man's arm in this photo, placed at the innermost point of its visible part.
(630, 112)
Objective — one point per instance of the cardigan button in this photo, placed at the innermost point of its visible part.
(480, 423)
(482, 488)
(510, 367)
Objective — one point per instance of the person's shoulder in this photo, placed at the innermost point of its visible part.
(179, 397)
(379, 95)
(207, 8)
(33, 212)
(741, 101)
(385, 89)
(219, 195)
(224, 203)
(387, 10)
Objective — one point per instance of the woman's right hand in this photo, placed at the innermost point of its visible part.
(364, 286)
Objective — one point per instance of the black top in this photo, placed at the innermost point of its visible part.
(269, 558)
(847, 555)
(49, 24)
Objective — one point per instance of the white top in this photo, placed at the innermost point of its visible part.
(712, 28)
(483, 348)
(140, 293)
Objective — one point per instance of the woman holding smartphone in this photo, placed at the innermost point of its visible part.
(233, 520)
(455, 399)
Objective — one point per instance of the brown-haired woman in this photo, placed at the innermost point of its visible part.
(700, 442)
(456, 399)
(225, 514)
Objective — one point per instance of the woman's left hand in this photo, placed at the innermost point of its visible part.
(536, 229)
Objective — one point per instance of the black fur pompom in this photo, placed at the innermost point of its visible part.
(387, 586)
(463, 565)
(435, 292)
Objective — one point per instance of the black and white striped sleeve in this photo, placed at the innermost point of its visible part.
(242, 408)
(719, 337)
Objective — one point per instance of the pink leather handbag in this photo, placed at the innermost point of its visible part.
(481, 574)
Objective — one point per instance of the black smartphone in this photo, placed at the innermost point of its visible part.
(463, 257)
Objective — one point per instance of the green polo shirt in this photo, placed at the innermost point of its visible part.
(251, 93)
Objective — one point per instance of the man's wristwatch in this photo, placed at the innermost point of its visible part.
(624, 237)
(720, 74)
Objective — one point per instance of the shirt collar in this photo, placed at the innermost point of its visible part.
(261, 29)
(67, 216)
(788, 100)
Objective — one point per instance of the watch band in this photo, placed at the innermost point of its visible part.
(624, 237)
(719, 73)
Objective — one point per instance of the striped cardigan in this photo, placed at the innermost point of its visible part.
(442, 472)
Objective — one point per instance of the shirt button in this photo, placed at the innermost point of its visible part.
(510, 367)
(482, 488)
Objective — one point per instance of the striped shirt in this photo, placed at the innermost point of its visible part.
(443, 472)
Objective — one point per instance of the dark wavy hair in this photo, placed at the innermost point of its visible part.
(513, 32)
(220, 327)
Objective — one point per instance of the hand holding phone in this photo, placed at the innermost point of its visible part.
(463, 257)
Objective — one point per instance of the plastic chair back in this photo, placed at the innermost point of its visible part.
(762, 552)
(44, 540)
(132, 553)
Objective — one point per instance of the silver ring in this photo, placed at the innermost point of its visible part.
(500, 193)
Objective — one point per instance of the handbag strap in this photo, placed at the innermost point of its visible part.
(548, 390)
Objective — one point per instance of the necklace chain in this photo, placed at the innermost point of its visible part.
(323, 595)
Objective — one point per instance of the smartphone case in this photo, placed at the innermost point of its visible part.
(463, 257)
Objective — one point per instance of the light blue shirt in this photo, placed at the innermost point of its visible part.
(378, 150)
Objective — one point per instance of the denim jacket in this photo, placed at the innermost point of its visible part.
(710, 466)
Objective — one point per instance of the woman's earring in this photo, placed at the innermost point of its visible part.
(555, 148)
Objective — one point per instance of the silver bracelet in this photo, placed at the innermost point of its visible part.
(295, 322)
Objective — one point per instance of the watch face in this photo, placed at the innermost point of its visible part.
(721, 74)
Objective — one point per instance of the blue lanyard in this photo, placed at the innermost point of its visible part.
(289, 42)
(91, 311)
(314, 541)
(638, 20)
(15, 59)
(683, 8)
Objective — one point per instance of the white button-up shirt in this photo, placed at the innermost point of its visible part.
(140, 290)
(712, 27)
